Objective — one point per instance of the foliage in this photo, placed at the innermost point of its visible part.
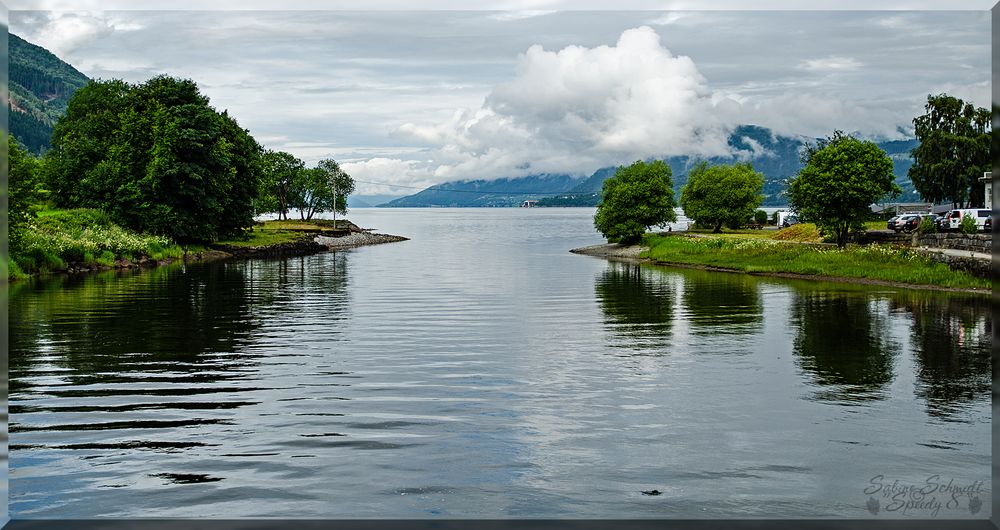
(968, 225)
(22, 191)
(760, 217)
(281, 174)
(927, 226)
(875, 262)
(635, 198)
(86, 236)
(322, 189)
(953, 152)
(842, 177)
(722, 194)
(156, 157)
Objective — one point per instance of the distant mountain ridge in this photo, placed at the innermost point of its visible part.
(488, 193)
(776, 156)
(40, 87)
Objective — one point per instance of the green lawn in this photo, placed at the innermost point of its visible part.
(877, 262)
(260, 237)
(803, 232)
(277, 232)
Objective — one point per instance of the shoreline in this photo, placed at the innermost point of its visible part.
(632, 253)
(309, 244)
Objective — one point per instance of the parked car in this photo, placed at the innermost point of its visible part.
(944, 222)
(979, 215)
(789, 221)
(891, 223)
(988, 224)
(907, 223)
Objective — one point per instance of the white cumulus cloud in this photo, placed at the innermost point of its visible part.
(580, 108)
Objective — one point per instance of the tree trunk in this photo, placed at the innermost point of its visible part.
(718, 228)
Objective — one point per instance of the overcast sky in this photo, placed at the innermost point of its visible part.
(418, 98)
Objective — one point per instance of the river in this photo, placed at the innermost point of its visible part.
(481, 370)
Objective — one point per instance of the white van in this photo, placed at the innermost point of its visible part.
(979, 215)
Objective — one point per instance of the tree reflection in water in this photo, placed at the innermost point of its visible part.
(843, 342)
(951, 338)
(722, 303)
(638, 305)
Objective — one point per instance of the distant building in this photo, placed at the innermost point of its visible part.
(529, 204)
(987, 180)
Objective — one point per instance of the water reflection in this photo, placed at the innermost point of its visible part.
(722, 303)
(638, 304)
(844, 343)
(951, 340)
(127, 343)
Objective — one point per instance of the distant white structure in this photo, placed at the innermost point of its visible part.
(529, 204)
(987, 180)
(782, 215)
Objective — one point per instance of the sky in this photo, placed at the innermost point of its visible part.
(415, 98)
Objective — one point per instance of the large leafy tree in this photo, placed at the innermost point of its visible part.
(157, 157)
(635, 198)
(322, 189)
(280, 173)
(722, 194)
(842, 177)
(953, 152)
(21, 192)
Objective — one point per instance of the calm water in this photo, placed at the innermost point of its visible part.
(480, 370)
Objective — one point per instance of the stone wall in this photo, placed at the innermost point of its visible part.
(975, 266)
(883, 237)
(971, 242)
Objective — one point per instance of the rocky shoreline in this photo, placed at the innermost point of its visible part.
(613, 250)
(357, 239)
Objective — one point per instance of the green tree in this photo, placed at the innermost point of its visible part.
(760, 217)
(280, 172)
(722, 194)
(82, 138)
(842, 177)
(635, 198)
(322, 189)
(21, 189)
(157, 158)
(953, 152)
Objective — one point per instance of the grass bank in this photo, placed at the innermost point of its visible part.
(759, 255)
(59, 239)
(86, 239)
(277, 232)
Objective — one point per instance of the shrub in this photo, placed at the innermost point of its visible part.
(760, 217)
(927, 226)
(968, 225)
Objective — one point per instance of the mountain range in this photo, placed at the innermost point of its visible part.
(776, 156)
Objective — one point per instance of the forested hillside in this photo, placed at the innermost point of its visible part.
(40, 87)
